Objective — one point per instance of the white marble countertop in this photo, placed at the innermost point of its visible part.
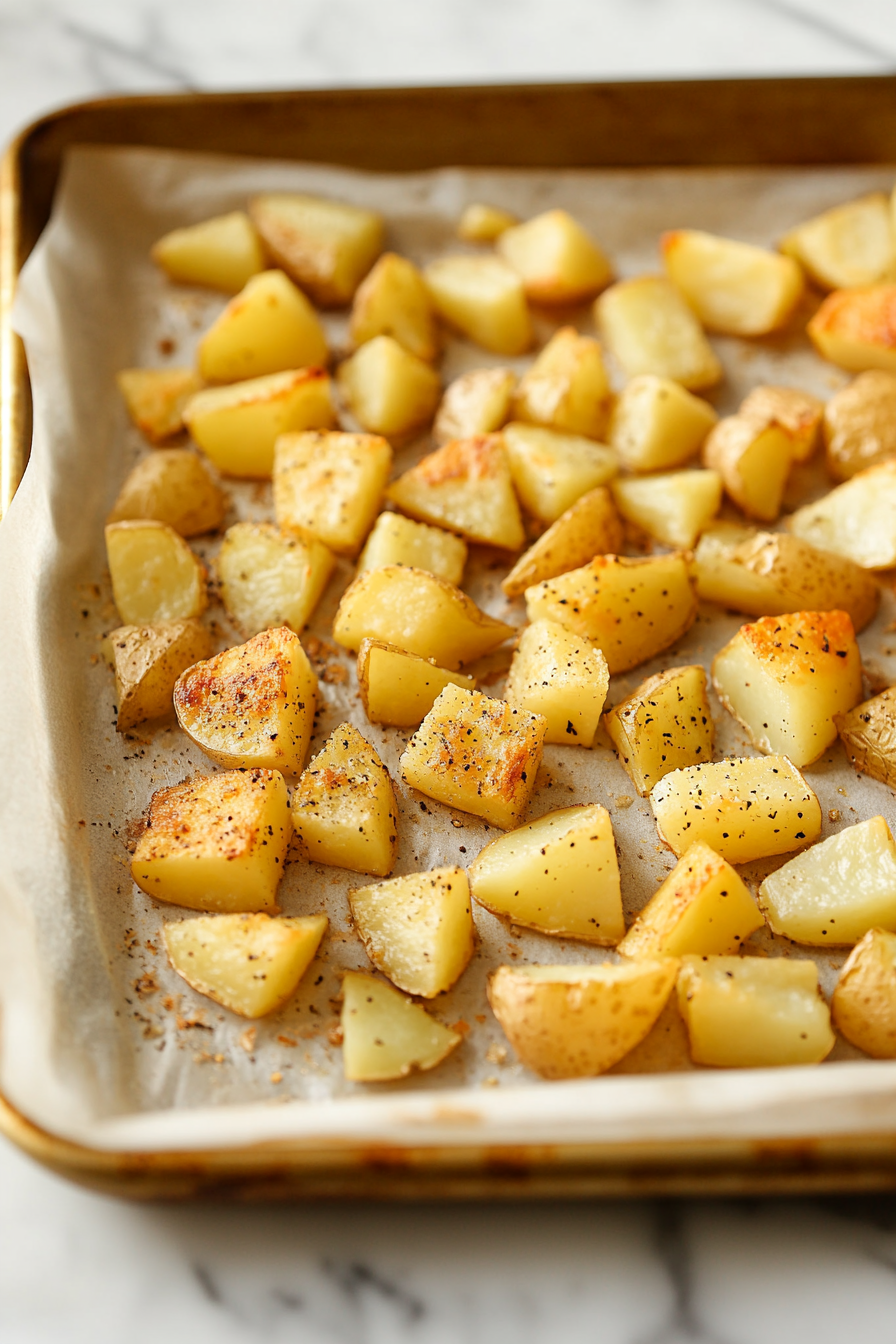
(76, 1267)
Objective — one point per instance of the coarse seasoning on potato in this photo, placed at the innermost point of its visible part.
(665, 724)
(147, 661)
(344, 809)
(330, 485)
(561, 676)
(868, 733)
(417, 929)
(268, 577)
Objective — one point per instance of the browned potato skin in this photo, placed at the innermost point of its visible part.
(868, 733)
(147, 661)
(856, 328)
(798, 412)
(174, 486)
(590, 527)
(860, 424)
(863, 1006)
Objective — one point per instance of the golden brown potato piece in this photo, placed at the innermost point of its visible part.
(850, 245)
(417, 929)
(465, 486)
(326, 246)
(237, 426)
(175, 487)
(155, 575)
(401, 688)
(147, 661)
(481, 223)
(649, 328)
(589, 527)
(223, 253)
(555, 258)
(657, 424)
(868, 733)
(344, 809)
(155, 399)
(753, 460)
(388, 390)
(860, 424)
(864, 1001)
(674, 507)
(396, 540)
(733, 287)
(856, 519)
(799, 413)
(483, 299)
(856, 328)
(562, 677)
(386, 1036)
(269, 577)
(330, 485)
(394, 301)
(665, 724)
(478, 402)
(566, 388)
(551, 470)
(268, 327)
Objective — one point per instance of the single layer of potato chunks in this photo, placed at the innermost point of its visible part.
(868, 733)
(155, 399)
(551, 470)
(251, 964)
(850, 245)
(396, 540)
(394, 301)
(326, 246)
(147, 661)
(753, 1012)
(558, 874)
(386, 1036)
(216, 842)
(577, 1021)
(269, 577)
(863, 1005)
(484, 300)
(631, 608)
(561, 676)
(753, 460)
(155, 575)
(665, 724)
(589, 527)
(173, 486)
(418, 612)
(703, 908)
(237, 426)
(344, 809)
(744, 808)
(417, 929)
(785, 677)
(478, 402)
(855, 519)
(657, 424)
(673, 507)
(566, 387)
(480, 223)
(476, 754)
(768, 573)
(733, 287)
(856, 328)
(253, 705)
(798, 413)
(387, 389)
(223, 253)
(465, 486)
(555, 258)
(330, 485)
(860, 424)
(649, 328)
(268, 327)
(401, 688)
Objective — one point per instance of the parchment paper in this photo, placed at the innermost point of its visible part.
(101, 1041)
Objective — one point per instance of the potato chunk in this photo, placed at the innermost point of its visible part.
(476, 754)
(732, 286)
(251, 964)
(147, 661)
(217, 842)
(558, 874)
(237, 426)
(174, 487)
(562, 677)
(577, 1021)
(269, 577)
(481, 223)
(702, 908)
(344, 809)
(753, 460)
(744, 808)
(631, 608)
(860, 424)
(855, 519)
(330, 485)
(665, 724)
(478, 402)
(417, 612)
(864, 1000)
(268, 327)
(253, 705)
(483, 298)
(385, 1036)
(418, 929)
(856, 328)
(223, 253)
(555, 258)
(388, 390)
(753, 1013)
(465, 486)
(394, 301)
(674, 507)
(551, 471)
(566, 388)
(649, 328)
(401, 688)
(847, 246)
(326, 246)
(589, 527)
(395, 540)
(868, 733)
(155, 575)
(799, 414)
(657, 424)
(155, 399)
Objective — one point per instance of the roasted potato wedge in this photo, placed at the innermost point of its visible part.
(147, 660)
(268, 327)
(753, 459)
(401, 688)
(860, 424)
(665, 724)
(269, 577)
(673, 507)
(799, 414)
(237, 426)
(393, 301)
(852, 244)
(561, 676)
(856, 519)
(478, 402)
(467, 487)
(863, 1005)
(566, 388)
(649, 328)
(482, 223)
(388, 390)
(386, 1036)
(733, 287)
(326, 246)
(555, 258)
(155, 399)
(589, 527)
(657, 424)
(330, 485)
(868, 733)
(551, 470)
(155, 575)
(396, 540)
(482, 298)
(173, 486)
(417, 929)
(222, 253)
(344, 809)
(856, 328)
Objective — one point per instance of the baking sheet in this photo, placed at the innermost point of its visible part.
(101, 1041)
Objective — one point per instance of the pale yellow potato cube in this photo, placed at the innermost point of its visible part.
(753, 1012)
(657, 424)
(856, 328)
(482, 223)
(466, 486)
(566, 387)
(344, 809)
(388, 390)
(418, 612)
(417, 929)
(237, 426)
(860, 424)
(394, 301)
(386, 1036)
(251, 964)
(478, 402)
(401, 688)
(223, 253)
(252, 705)
(744, 808)
(673, 507)
(733, 287)
(326, 246)
(216, 842)
(703, 908)
(147, 661)
(173, 486)
(551, 470)
(631, 608)
(483, 299)
(155, 399)
(476, 754)
(753, 460)
(664, 725)
(868, 733)
(269, 577)
(852, 244)
(558, 874)
(268, 327)
(589, 527)
(799, 414)
(155, 575)
(396, 540)
(330, 485)
(577, 1021)
(555, 258)
(648, 327)
(863, 1005)
(854, 520)
(562, 677)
